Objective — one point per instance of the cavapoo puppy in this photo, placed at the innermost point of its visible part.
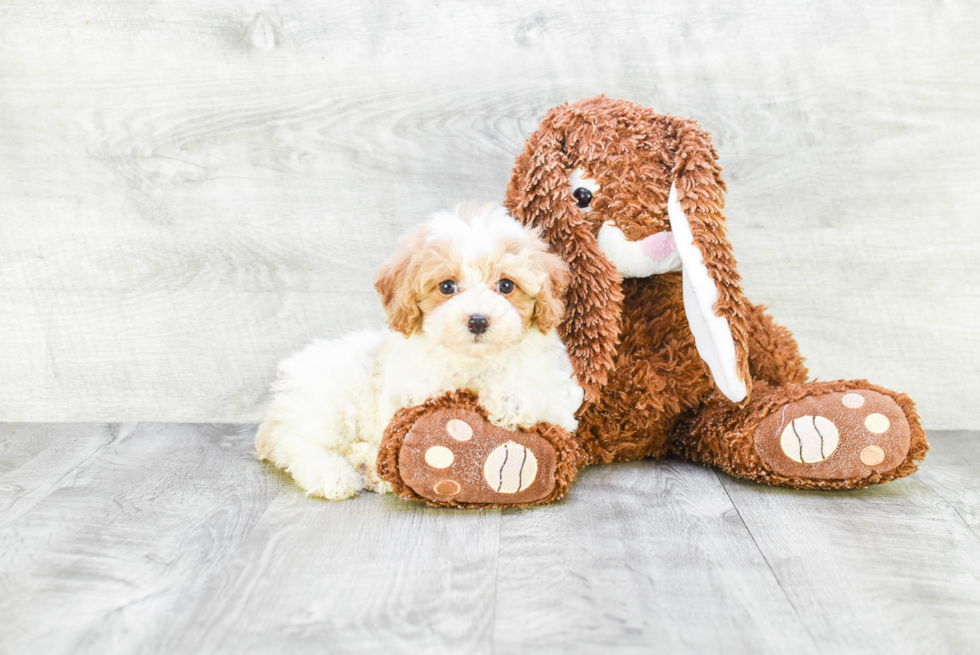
(473, 299)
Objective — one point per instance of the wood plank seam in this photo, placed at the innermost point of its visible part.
(772, 571)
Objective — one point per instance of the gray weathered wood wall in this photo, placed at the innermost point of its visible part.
(191, 190)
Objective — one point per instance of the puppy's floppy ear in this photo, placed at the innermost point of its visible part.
(713, 298)
(395, 282)
(538, 194)
(549, 303)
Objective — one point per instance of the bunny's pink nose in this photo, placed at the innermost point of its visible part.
(659, 246)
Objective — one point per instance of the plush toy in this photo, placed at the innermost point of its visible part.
(672, 357)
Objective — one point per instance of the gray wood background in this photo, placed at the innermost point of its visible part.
(191, 190)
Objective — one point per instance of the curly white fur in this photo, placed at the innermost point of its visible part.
(334, 399)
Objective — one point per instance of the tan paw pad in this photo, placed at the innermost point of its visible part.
(447, 488)
(439, 457)
(877, 423)
(510, 468)
(459, 430)
(809, 439)
(872, 455)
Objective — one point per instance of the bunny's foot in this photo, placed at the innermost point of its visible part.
(819, 435)
(446, 453)
(835, 436)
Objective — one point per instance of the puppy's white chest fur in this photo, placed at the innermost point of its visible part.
(531, 382)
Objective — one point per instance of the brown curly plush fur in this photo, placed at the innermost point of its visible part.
(569, 457)
(648, 391)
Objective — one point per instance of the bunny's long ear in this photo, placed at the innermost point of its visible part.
(538, 195)
(713, 299)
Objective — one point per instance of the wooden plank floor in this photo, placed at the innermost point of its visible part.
(170, 538)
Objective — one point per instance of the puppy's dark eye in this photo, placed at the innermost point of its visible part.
(505, 286)
(447, 287)
(582, 196)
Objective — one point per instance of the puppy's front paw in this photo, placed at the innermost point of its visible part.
(327, 475)
(369, 473)
(508, 411)
(415, 390)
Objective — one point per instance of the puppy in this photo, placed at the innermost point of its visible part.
(473, 299)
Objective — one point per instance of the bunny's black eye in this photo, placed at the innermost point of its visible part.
(505, 286)
(447, 287)
(583, 197)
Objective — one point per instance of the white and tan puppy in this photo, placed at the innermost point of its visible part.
(472, 299)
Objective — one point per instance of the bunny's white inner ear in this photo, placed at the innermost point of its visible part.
(712, 334)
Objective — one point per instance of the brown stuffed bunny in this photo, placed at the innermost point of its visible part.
(672, 357)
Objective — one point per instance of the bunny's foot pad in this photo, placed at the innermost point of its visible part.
(446, 453)
(844, 435)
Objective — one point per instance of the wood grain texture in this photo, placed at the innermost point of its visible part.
(376, 575)
(642, 554)
(126, 537)
(953, 475)
(171, 538)
(36, 460)
(891, 569)
(191, 190)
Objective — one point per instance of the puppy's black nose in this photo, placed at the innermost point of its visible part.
(478, 323)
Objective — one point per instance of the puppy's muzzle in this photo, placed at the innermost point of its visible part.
(478, 323)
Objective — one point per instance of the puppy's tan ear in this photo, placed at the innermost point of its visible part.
(395, 282)
(713, 299)
(538, 195)
(549, 304)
